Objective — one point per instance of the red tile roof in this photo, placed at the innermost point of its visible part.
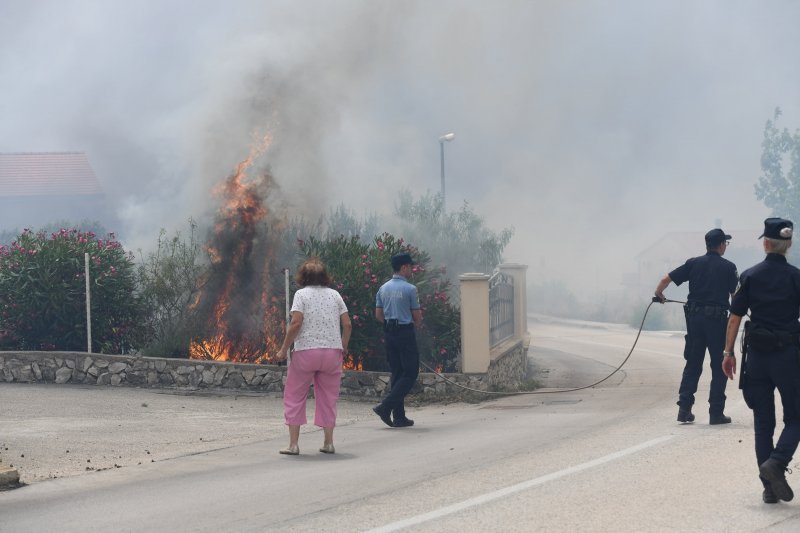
(35, 174)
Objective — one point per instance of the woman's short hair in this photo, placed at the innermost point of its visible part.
(312, 272)
(778, 246)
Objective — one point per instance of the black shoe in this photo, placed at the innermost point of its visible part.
(685, 416)
(719, 419)
(773, 471)
(384, 413)
(768, 496)
(403, 423)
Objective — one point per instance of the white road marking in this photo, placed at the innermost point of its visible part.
(495, 495)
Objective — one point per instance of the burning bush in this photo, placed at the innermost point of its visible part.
(238, 310)
(359, 269)
(42, 293)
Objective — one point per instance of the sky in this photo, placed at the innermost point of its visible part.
(592, 128)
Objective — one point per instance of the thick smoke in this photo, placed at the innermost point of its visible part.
(593, 128)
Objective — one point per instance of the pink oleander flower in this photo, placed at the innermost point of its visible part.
(381, 246)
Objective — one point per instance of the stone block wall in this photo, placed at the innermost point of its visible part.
(186, 374)
(508, 368)
(116, 370)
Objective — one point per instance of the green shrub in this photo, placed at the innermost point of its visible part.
(358, 271)
(42, 293)
(169, 281)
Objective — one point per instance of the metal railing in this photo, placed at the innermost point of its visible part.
(501, 308)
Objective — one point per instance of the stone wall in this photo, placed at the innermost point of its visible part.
(508, 368)
(154, 372)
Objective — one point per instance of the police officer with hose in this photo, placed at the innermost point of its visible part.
(770, 354)
(712, 280)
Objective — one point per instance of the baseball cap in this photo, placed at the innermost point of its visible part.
(400, 260)
(716, 236)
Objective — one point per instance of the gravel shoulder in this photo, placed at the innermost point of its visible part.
(54, 431)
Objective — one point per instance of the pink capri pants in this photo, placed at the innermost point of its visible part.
(323, 366)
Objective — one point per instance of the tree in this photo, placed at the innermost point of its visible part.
(458, 240)
(779, 187)
(343, 222)
(42, 293)
(169, 280)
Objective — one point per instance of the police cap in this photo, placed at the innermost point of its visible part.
(716, 236)
(778, 228)
(400, 260)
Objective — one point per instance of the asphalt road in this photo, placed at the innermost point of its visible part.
(611, 458)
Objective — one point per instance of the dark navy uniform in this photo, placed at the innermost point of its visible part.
(712, 280)
(771, 292)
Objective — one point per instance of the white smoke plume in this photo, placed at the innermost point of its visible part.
(591, 127)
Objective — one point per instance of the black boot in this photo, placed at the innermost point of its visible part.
(685, 416)
(385, 414)
(719, 419)
(773, 471)
(400, 419)
(768, 496)
(403, 422)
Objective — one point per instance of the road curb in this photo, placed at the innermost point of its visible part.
(9, 477)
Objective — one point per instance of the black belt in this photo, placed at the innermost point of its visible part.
(393, 324)
(709, 310)
(713, 306)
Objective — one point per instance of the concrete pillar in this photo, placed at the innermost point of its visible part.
(518, 273)
(474, 323)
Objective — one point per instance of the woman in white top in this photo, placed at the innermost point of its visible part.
(320, 330)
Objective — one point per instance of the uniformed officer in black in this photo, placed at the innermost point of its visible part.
(771, 291)
(712, 280)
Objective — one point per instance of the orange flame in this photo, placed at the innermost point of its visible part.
(351, 362)
(231, 252)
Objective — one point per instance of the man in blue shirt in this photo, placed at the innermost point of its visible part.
(712, 280)
(397, 307)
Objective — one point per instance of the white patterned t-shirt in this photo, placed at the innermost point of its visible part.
(322, 308)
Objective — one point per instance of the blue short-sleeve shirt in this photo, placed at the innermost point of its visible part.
(397, 297)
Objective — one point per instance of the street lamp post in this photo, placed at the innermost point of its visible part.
(447, 137)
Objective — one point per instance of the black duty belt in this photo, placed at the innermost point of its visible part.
(764, 339)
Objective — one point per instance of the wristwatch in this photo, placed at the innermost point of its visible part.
(728, 354)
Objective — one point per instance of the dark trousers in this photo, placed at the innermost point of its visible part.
(765, 372)
(704, 332)
(403, 357)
